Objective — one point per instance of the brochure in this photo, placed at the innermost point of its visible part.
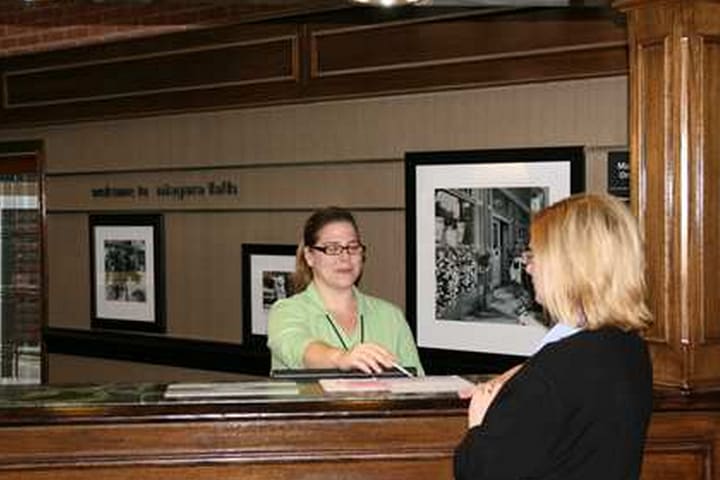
(231, 389)
(427, 384)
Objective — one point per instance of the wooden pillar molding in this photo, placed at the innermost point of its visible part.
(675, 154)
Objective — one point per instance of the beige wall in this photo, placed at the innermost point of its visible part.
(591, 112)
(287, 160)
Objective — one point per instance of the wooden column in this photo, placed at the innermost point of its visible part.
(675, 154)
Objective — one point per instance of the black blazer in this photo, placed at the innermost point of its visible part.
(578, 409)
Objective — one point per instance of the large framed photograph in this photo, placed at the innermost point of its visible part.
(266, 278)
(127, 271)
(468, 217)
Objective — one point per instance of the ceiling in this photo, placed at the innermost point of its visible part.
(34, 26)
(30, 26)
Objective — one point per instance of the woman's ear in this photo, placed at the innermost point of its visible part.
(309, 259)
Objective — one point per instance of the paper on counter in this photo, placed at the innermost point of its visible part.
(427, 384)
(230, 389)
(337, 385)
(430, 384)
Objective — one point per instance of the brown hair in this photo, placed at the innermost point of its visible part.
(303, 273)
(590, 261)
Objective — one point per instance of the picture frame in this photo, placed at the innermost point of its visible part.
(266, 277)
(127, 268)
(467, 218)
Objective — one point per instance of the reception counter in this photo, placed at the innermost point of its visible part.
(132, 431)
(135, 432)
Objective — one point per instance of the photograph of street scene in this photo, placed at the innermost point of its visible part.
(125, 276)
(480, 237)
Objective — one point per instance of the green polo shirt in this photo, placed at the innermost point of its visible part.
(296, 321)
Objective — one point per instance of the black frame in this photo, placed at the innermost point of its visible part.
(249, 250)
(131, 221)
(438, 360)
(157, 350)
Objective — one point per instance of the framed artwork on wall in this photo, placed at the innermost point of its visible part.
(127, 272)
(266, 277)
(468, 215)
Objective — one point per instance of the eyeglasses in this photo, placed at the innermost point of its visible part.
(528, 256)
(335, 249)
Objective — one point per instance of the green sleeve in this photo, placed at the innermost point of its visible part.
(405, 347)
(288, 334)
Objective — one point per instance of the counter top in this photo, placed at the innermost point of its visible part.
(29, 405)
(117, 402)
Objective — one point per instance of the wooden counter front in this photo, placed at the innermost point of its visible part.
(130, 432)
(307, 437)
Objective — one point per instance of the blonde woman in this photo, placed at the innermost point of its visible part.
(330, 323)
(579, 407)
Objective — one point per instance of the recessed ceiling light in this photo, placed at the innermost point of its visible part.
(391, 3)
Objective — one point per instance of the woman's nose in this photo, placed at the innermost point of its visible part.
(529, 268)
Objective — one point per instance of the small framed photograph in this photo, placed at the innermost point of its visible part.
(127, 271)
(266, 278)
(468, 224)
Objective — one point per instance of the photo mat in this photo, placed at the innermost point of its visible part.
(468, 222)
(126, 270)
(267, 278)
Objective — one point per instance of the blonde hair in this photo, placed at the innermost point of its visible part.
(589, 256)
(303, 273)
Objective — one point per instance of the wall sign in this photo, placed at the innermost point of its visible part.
(618, 174)
(175, 192)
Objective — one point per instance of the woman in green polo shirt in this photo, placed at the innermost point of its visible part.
(330, 323)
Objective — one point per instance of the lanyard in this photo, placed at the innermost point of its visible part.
(339, 336)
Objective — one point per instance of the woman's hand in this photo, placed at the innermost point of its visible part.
(483, 395)
(368, 357)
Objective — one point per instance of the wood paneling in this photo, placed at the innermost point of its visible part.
(243, 63)
(674, 119)
(372, 438)
(543, 66)
(309, 58)
(682, 445)
(474, 50)
(677, 462)
(56, 24)
(258, 64)
(703, 72)
(398, 45)
(305, 438)
(709, 175)
(210, 469)
(659, 163)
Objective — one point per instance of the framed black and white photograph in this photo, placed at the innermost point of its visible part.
(266, 278)
(127, 271)
(468, 223)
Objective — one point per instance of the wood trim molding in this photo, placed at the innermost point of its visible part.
(310, 58)
(471, 38)
(674, 71)
(668, 458)
(49, 85)
(505, 56)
